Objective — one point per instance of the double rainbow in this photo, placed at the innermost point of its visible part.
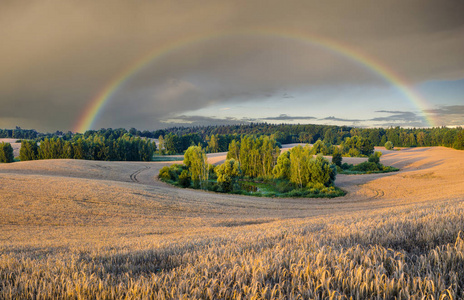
(95, 107)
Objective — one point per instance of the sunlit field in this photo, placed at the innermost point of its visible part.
(102, 230)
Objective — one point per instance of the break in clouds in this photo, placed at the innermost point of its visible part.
(58, 55)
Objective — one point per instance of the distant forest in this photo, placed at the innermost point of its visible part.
(289, 133)
(217, 138)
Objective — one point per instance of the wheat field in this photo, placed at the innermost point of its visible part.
(110, 230)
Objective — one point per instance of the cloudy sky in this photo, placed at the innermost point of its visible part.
(223, 62)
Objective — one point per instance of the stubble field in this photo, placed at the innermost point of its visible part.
(90, 229)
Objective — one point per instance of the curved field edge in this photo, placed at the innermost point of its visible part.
(265, 189)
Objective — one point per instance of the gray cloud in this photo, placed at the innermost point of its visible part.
(332, 118)
(447, 110)
(203, 121)
(395, 118)
(56, 56)
(452, 115)
(284, 117)
(403, 116)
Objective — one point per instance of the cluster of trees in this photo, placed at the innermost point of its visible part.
(357, 146)
(253, 157)
(300, 167)
(6, 153)
(256, 156)
(173, 143)
(195, 169)
(97, 147)
(372, 165)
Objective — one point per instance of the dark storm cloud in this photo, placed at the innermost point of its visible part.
(56, 56)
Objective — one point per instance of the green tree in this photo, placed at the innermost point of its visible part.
(298, 165)
(234, 150)
(389, 145)
(161, 144)
(282, 168)
(28, 150)
(320, 171)
(227, 174)
(197, 164)
(6, 153)
(375, 158)
(356, 144)
(213, 144)
(337, 157)
(459, 140)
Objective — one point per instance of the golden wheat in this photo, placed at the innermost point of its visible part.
(82, 230)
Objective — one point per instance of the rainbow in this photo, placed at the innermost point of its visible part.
(92, 111)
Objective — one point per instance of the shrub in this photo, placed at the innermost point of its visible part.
(366, 166)
(375, 158)
(389, 145)
(354, 152)
(337, 159)
(227, 174)
(184, 179)
(346, 166)
(165, 174)
(284, 186)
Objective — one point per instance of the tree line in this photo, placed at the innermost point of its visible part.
(124, 148)
(310, 133)
(217, 138)
(175, 144)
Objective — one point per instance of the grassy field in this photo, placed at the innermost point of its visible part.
(104, 230)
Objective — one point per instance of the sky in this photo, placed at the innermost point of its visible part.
(158, 64)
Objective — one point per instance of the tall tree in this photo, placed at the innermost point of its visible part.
(6, 153)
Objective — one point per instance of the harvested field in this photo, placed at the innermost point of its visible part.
(89, 229)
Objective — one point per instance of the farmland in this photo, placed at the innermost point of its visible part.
(96, 229)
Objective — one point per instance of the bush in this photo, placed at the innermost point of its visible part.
(389, 145)
(171, 173)
(346, 166)
(375, 158)
(227, 174)
(284, 186)
(165, 174)
(337, 159)
(184, 179)
(295, 193)
(366, 167)
(354, 152)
